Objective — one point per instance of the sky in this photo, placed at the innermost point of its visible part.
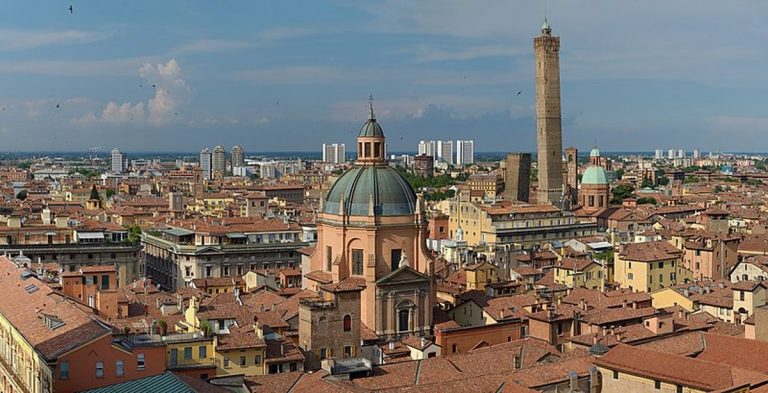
(147, 75)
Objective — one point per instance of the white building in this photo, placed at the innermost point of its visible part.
(659, 154)
(119, 162)
(681, 153)
(219, 162)
(465, 152)
(334, 153)
(445, 152)
(696, 154)
(205, 163)
(671, 154)
(428, 148)
(238, 156)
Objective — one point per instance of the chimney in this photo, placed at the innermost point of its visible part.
(573, 381)
(582, 304)
(261, 307)
(422, 343)
(391, 345)
(501, 314)
(274, 307)
(721, 285)
(686, 293)
(594, 340)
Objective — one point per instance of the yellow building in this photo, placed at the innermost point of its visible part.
(190, 353)
(242, 351)
(580, 273)
(480, 274)
(670, 297)
(649, 266)
(210, 202)
(633, 369)
(747, 295)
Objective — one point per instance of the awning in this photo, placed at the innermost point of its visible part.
(90, 235)
(599, 245)
(179, 232)
(236, 235)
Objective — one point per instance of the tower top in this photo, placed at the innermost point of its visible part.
(546, 29)
(371, 115)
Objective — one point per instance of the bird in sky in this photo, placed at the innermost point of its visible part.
(519, 92)
(58, 106)
(71, 10)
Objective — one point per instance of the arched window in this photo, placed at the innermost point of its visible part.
(347, 323)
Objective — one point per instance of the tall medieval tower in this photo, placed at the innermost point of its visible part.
(548, 123)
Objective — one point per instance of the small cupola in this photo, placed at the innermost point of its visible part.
(371, 148)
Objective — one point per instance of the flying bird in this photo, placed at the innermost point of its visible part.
(154, 86)
(71, 10)
(58, 106)
(519, 92)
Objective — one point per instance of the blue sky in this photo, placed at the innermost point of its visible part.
(290, 75)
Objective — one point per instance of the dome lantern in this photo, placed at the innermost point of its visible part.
(371, 146)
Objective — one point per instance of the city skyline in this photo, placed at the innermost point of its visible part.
(438, 75)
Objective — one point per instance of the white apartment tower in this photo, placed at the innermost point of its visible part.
(219, 162)
(334, 153)
(119, 161)
(445, 152)
(205, 163)
(428, 148)
(465, 152)
(238, 156)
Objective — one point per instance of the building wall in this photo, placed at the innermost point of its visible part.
(644, 276)
(627, 383)
(82, 365)
(252, 366)
(517, 177)
(667, 297)
(322, 327)
(462, 340)
(195, 362)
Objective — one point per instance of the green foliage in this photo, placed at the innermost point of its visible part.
(134, 234)
(621, 192)
(439, 195)
(163, 327)
(110, 192)
(663, 181)
(24, 165)
(606, 255)
(647, 183)
(535, 174)
(692, 168)
(719, 189)
(619, 173)
(691, 179)
(646, 201)
(205, 326)
(85, 172)
(22, 195)
(418, 182)
(94, 193)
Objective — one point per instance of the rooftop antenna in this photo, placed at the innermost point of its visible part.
(371, 115)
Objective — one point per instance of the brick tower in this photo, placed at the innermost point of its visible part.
(548, 123)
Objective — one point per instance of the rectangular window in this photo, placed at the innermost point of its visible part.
(140, 361)
(187, 353)
(119, 368)
(226, 362)
(64, 370)
(357, 261)
(661, 265)
(257, 359)
(396, 255)
(741, 295)
(104, 281)
(615, 374)
(347, 351)
(328, 258)
(99, 369)
(657, 385)
(202, 352)
(242, 361)
(323, 353)
(679, 389)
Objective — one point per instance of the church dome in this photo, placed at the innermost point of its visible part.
(594, 153)
(594, 175)
(371, 128)
(391, 193)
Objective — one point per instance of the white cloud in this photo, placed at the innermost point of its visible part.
(169, 92)
(21, 39)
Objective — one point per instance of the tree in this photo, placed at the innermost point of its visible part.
(134, 234)
(110, 192)
(719, 189)
(647, 183)
(619, 173)
(163, 327)
(621, 192)
(22, 195)
(94, 193)
(205, 326)
(646, 201)
(663, 181)
(606, 255)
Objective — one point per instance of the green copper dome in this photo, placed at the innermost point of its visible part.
(371, 128)
(392, 195)
(594, 153)
(594, 175)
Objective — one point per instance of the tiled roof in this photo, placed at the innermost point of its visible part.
(649, 251)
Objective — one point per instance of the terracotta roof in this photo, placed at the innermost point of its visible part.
(244, 337)
(320, 276)
(649, 251)
(350, 284)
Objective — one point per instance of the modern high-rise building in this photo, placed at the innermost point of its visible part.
(465, 152)
(671, 154)
(428, 148)
(205, 163)
(696, 154)
(219, 162)
(517, 177)
(445, 152)
(659, 154)
(334, 153)
(238, 156)
(548, 120)
(119, 161)
(681, 153)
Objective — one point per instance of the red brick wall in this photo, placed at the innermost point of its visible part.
(467, 338)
